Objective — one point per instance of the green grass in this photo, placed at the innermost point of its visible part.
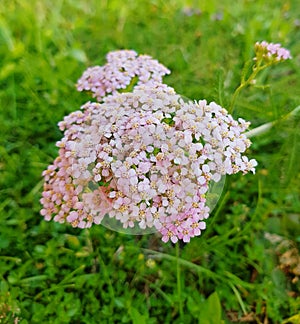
(52, 273)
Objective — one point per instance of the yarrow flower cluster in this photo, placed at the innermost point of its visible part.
(145, 158)
(271, 52)
(122, 69)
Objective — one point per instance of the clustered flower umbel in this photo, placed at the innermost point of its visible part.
(271, 52)
(146, 157)
(119, 71)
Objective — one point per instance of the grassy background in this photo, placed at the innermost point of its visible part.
(244, 267)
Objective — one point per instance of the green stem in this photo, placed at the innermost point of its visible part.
(244, 83)
(179, 281)
(234, 97)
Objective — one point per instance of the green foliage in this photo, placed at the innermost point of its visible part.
(210, 312)
(238, 270)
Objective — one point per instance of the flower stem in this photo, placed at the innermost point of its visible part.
(179, 281)
(245, 82)
(234, 97)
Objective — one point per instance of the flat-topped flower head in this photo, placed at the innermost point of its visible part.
(271, 53)
(144, 158)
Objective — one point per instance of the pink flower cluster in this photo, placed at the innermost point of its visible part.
(119, 72)
(145, 158)
(270, 51)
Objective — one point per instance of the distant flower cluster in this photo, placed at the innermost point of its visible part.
(145, 158)
(271, 52)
